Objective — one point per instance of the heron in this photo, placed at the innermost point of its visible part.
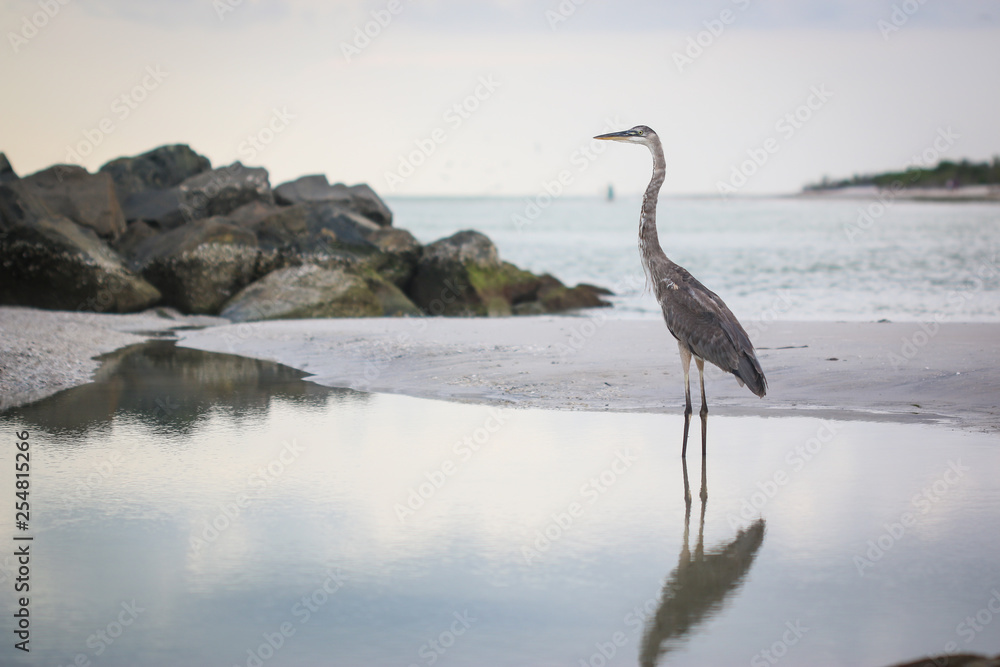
(703, 325)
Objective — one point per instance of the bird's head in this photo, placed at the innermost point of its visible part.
(640, 134)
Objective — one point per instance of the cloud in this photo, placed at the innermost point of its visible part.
(536, 15)
(558, 86)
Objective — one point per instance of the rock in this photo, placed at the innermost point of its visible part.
(135, 235)
(54, 263)
(311, 188)
(462, 275)
(292, 236)
(223, 190)
(197, 236)
(555, 297)
(331, 223)
(400, 254)
(315, 188)
(162, 208)
(330, 236)
(19, 204)
(286, 228)
(159, 169)
(303, 292)
(200, 265)
(210, 193)
(463, 248)
(87, 199)
(367, 203)
(252, 213)
(596, 289)
(395, 240)
(6, 171)
(502, 289)
(393, 300)
(517, 285)
(189, 237)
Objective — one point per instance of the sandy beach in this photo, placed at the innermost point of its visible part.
(902, 371)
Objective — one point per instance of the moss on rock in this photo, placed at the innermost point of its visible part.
(305, 291)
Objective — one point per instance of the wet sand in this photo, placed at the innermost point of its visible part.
(44, 351)
(858, 370)
(907, 371)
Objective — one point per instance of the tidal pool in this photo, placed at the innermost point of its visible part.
(190, 508)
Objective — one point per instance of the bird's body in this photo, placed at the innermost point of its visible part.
(696, 316)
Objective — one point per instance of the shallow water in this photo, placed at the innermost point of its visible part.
(768, 258)
(202, 509)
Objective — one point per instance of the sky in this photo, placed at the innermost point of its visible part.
(502, 97)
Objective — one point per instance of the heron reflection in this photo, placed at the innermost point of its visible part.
(701, 583)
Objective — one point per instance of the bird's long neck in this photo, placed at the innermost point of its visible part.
(649, 242)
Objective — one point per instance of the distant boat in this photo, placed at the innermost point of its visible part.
(611, 192)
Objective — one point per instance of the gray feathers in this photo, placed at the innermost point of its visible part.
(698, 318)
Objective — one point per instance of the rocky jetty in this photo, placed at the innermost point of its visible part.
(165, 228)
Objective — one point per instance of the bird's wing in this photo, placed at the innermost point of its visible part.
(699, 318)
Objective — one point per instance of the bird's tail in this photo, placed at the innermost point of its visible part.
(750, 372)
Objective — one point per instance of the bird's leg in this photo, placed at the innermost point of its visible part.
(686, 365)
(700, 363)
(704, 404)
(704, 427)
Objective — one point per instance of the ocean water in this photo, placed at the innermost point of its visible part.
(191, 508)
(768, 258)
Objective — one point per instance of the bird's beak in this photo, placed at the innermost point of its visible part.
(616, 136)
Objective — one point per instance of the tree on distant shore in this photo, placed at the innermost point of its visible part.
(946, 174)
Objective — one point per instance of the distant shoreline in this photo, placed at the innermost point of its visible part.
(970, 193)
